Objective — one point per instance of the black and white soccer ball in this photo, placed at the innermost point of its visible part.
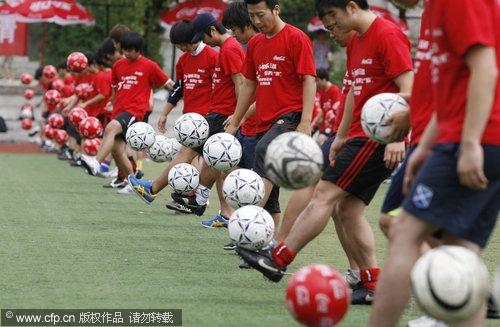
(161, 150)
(251, 227)
(243, 187)
(222, 151)
(176, 146)
(450, 283)
(375, 113)
(140, 136)
(191, 130)
(183, 178)
(294, 161)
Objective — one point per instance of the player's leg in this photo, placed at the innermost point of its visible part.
(120, 156)
(298, 201)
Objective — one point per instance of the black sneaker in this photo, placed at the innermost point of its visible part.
(492, 312)
(139, 174)
(262, 261)
(178, 207)
(75, 163)
(64, 154)
(231, 246)
(244, 265)
(361, 295)
(189, 201)
(116, 183)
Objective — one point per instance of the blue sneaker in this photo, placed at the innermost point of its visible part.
(142, 188)
(216, 222)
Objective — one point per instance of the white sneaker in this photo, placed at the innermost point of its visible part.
(90, 164)
(426, 321)
(126, 190)
(352, 277)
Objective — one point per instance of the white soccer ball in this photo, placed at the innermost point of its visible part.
(251, 227)
(222, 151)
(375, 112)
(243, 187)
(140, 136)
(294, 160)
(176, 146)
(183, 178)
(191, 130)
(161, 150)
(450, 283)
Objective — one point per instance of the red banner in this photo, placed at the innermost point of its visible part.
(13, 37)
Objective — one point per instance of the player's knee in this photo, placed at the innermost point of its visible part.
(325, 193)
(384, 223)
(113, 128)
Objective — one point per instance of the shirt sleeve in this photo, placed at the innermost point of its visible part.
(103, 85)
(468, 23)
(395, 53)
(179, 74)
(303, 57)
(232, 61)
(114, 77)
(157, 77)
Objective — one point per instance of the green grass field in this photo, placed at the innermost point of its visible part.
(66, 242)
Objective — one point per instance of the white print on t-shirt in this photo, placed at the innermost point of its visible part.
(215, 77)
(359, 80)
(126, 82)
(367, 61)
(438, 58)
(266, 72)
(191, 80)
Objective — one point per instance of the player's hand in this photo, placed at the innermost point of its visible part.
(162, 123)
(108, 107)
(304, 128)
(400, 125)
(416, 161)
(470, 167)
(337, 144)
(394, 154)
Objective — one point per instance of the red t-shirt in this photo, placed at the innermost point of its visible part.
(230, 61)
(87, 82)
(278, 64)
(456, 27)
(101, 85)
(330, 100)
(374, 59)
(346, 87)
(133, 82)
(421, 107)
(195, 72)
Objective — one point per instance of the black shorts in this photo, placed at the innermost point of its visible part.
(125, 119)
(73, 132)
(286, 123)
(359, 168)
(45, 115)
(216, 125)
(394, 196)
(146, 117)
(104, 119)
(438, 198)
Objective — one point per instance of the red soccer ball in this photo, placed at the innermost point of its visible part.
(318, 295)
(76, 62)
(58, 84)
(52, 97)
(26, 124)
(91, 146)
(26, 78)
(56, 121)
(29, 94)
(83, 91)
(49, 71)
(76, 115)
(90, 127)
(60, 136)
(48, 131)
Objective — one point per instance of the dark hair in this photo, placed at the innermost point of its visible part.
(269, 3)
(132, 41)
(39, 73)
(106, 48)
(236, 15)
(322, 5)
(322, 73)
(182, 33)
(116, 33)
(218, 27)
(91, 58)
(62, 65)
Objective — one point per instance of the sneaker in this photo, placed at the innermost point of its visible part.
(216, 222)
(361, 295)
(231, 246)
(189, 201)
(64, 154)
(352, 278)
(90, 164)
(178, 208)
(127, 189)
(139, 174)
(75, 163)
(142, 188)
(492, 312)
(262, 261)
(244, 265)
(426, 321)
(115, 183)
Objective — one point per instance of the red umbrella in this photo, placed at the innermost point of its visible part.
(315, 25)
(189, 9)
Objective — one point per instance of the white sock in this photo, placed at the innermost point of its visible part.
(202, 195)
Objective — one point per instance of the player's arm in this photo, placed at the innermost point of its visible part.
(308, 95)
(481, 62)
(238, 83)
(345, 123)
(245, 99)
(95, 100)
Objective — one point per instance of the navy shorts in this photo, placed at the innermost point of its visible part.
(248, 144)
(438, 198)
(125, 119)
(325, 148)
(394, 196)
(216, 125)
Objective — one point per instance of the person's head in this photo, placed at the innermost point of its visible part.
(62, 69)
(339, 36)
(264, 14)
(181, 35)
(108, 52)
(237, 20)
(345, 13)
(132, 44)
(208, 30)
(322, 79)
(116, 34)
(91, 63)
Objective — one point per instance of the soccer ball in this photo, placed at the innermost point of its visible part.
(76, 115)
(58, 84)
(76, 62)
(56, 121)
(376, 110)
(48, 131)
(52, 97)
(222, 151)
(49, 71)
(140, 136)
(61, 136)
(450, 283)
(26, 78)
(161, 150)
(294, 160)
(318, 295)
(91, 146)
(84, 90)
(176, 146)
(191, 130)
(183, 178)
(251, 227)
(29, 94)
(243, 187)
(26, 124)
(90, 127)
